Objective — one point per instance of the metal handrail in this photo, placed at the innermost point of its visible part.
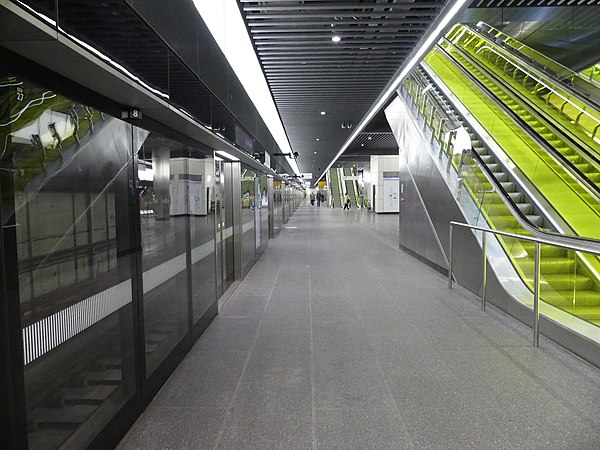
(555, 241)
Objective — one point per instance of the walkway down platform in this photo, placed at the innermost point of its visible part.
(337, 339)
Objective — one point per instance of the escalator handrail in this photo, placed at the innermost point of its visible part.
(417, 76)
(580, 146)
(552, 238)
(532, 66)
(568, 166)
(555, 76)
(567, 246)
(558, 94)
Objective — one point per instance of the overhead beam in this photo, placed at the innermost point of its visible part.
(339, 6)
(335, 16)
(266, 34)
(383, 55)
(267, 54)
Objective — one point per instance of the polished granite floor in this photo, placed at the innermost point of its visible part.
(336, 339)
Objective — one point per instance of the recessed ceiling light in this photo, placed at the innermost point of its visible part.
(317, 139)
(336, 38)
(323, 113)
(315, 153)
(369, 138)
(362, 145)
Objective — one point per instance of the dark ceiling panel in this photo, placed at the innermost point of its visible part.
(309, 73)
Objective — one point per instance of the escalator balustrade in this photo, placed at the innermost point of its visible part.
(567, 281)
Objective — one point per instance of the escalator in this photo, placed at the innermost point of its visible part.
(546, 183)
(334, 187)
(586, 83)
(532, 100)
(349, 186)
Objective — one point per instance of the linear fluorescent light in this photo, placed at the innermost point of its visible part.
(226, 24)
(429, 40)
(226, 155)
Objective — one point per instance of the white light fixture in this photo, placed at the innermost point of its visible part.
(315, 153)
(226, 25)
(369, 138)
(317, 139)
(323, 113)
(336, 38)
(227, 155)
(432, 36)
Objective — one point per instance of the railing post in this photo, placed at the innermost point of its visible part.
(484, 285)
(450, 260)
(536, 296)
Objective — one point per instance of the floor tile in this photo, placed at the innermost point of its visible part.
(360, 429)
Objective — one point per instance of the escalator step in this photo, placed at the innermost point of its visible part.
(587, 312)
(583, 167)
(516, 196)
(550, 265)
(71, 415)
(111, 362)
(110, 377)
(565, 298)
(536, 220)
(526, 208)
(90, 395)
(48, 437)
(560, 282)
(545, 250)
(593, 176)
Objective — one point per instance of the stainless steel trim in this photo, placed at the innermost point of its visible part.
(484, 284)
(450, 245)
(536, 296)
(554, 240)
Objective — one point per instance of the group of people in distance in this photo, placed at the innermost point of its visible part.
(320, 198)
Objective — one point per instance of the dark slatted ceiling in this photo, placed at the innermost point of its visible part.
(309, 73)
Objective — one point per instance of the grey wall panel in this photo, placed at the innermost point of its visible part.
(430, 206)
(176, 27)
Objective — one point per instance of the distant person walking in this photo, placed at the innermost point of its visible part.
(347, 202)
(318, 199)
(312, 199)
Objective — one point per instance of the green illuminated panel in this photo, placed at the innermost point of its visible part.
(568, 281)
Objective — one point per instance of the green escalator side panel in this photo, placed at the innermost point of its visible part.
(576, 206)
(558, 273)
(552, 105)
(566, 283)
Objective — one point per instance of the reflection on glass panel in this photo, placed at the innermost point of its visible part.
(248, 192)
(224, 222)
(277, 207)
(67, 168)
(164, 227)
(202, 231)
(262, 214)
